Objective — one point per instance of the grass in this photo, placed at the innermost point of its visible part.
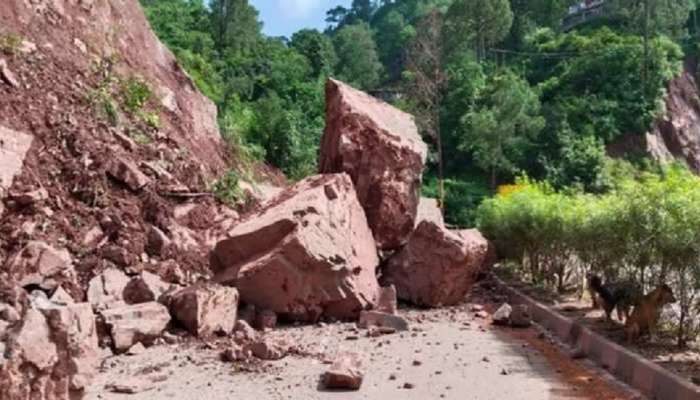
(228, 190)
(10, 43)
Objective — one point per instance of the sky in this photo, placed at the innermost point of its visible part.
(284, 17)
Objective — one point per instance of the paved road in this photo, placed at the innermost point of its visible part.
(456, 362)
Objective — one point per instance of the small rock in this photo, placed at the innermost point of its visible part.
(136, 349)
(504, 371)
(520, 316)
(408, 385)
(130, 386)
(7, 75)
(345, 373)
(265, 319)
(380, 319)
(387, 300)
(268, 349)
(243, 332)
(127, 172)
(417, 363)
(30, 198)
(235, 353)
(502, 315)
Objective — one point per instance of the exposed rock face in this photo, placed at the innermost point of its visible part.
(308, 253)
(205, 309)
(380, 148)
(675, 135)
(53, 353)
(130, 324)
(437, 267)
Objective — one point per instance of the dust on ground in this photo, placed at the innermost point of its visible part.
(448, 353)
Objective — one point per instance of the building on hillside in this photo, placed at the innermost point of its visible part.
(583, 12)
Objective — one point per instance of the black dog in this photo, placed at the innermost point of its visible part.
(623, 296)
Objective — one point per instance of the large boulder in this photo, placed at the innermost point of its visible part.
(39, 264)
(131, 324)
(107, 288)
(437, 267)
(205, 309)
(308, 253)
(380, 148)
(52, 353)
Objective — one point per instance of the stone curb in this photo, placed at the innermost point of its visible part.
(649, 378)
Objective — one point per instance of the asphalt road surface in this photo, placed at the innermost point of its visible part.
(447, 354)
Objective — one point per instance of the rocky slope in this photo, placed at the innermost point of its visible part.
(105, 136)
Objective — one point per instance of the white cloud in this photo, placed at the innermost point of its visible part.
(298, 8)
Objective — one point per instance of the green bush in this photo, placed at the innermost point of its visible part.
(10, 43)
(228, 190)
(646, 229)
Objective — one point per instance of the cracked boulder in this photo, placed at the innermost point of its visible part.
(437, 267)
(131, 324)
(308, 253)
(205, 309)
(380, 148)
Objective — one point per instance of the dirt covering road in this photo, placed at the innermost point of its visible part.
(447, 353)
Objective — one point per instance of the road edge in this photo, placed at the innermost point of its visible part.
(641, 374)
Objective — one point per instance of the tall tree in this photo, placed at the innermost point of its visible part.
(426, 77)
(504, 121)
(317, 48)
(235, 25)
(358, 62)
(480, 22)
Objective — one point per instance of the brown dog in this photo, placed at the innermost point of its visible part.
(646, 314)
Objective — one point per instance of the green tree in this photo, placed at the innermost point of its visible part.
(504, 121)
(482, 22)
(318, 50)
(235, 25)
(358, 62)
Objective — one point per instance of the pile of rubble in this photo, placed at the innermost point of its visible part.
(341, 245)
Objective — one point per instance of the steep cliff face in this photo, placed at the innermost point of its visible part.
(103, 141)
(676, 134)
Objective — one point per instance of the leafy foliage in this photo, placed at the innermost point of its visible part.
(644, 230)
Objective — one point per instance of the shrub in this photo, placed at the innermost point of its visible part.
(10, 43)
(646, 230)
(227, 189)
